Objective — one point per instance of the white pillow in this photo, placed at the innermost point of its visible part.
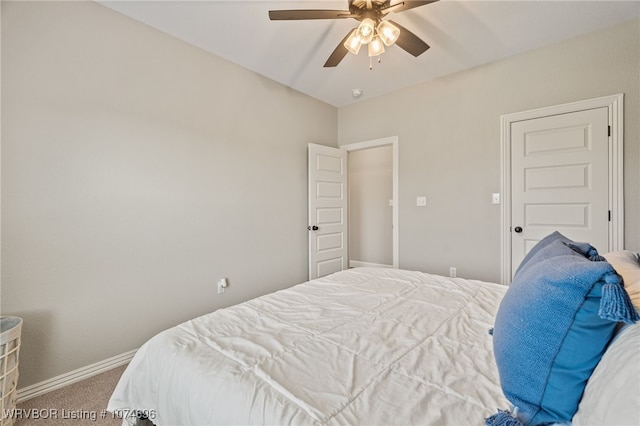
(611, 397)
(612, 394)
(626, 264)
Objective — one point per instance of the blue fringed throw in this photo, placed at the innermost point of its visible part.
(552, 328)
(502, 418)
(615, 304)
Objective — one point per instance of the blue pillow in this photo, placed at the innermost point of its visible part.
(552, 328)
(584, 248)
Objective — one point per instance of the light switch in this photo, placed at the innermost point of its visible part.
(495, 198)
(421, 201)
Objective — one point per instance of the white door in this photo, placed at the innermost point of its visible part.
(327, 210)
(560, 180)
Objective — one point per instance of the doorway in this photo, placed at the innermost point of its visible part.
(373, 203)
(370, 188)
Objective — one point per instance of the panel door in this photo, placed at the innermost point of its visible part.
(560, 180)
(327, 210)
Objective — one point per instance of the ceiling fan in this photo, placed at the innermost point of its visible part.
(372, 31)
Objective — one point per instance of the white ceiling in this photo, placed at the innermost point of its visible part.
(462, 34)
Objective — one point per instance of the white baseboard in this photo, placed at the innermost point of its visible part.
(73, 376)
(359, 264)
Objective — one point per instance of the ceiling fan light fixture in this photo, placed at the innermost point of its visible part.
(353, 42)
(372, 30)
(366, 30)
(388, 32)
(376, 47)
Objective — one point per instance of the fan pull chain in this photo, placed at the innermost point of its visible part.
(371, 61)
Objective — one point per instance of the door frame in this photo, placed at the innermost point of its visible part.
(393, 141)
(615, 106)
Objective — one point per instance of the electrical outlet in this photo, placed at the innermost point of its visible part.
(421, 201)
(452, 271)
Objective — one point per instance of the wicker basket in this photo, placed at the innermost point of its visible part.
(10, 328)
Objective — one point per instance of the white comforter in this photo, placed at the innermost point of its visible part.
(364, 346)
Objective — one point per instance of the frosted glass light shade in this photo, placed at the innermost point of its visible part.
(366, 30)
(388, 32)
(353, 42)
(376, 47)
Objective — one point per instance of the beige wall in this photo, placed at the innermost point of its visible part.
(449, 142)
(138, 170)
(370, 216)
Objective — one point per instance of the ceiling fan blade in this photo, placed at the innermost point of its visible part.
(338, 54)
(288, 15)
(410, 42)
(405, 5)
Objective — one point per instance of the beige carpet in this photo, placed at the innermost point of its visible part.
(80, 403)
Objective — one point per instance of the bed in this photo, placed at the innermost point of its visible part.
(364, 346)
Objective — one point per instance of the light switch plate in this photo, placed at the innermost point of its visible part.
(421, 201)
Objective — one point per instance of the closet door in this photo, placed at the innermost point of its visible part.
(560, 180)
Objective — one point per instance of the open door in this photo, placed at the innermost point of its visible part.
(327, 210)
